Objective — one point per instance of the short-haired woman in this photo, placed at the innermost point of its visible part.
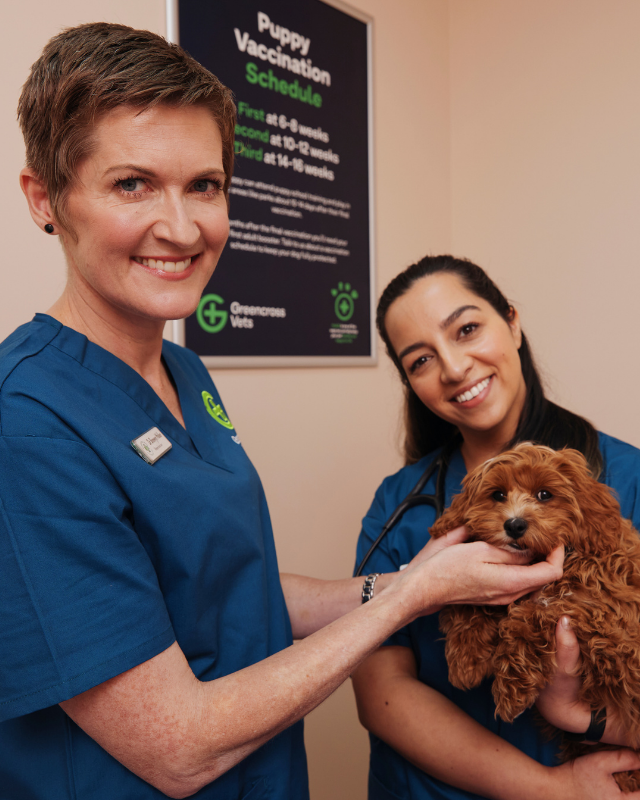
(146, 634)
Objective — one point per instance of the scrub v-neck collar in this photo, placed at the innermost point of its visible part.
(109, 367)
(208, 438)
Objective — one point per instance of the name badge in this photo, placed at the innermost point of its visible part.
(152, 445)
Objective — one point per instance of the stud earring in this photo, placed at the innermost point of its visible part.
(48, 227)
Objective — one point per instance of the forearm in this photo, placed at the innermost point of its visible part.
(454, 748)
(442, 740)
(313, 603)
(187, 733)
(298, 679)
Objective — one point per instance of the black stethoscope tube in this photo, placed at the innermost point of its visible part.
(416, 498)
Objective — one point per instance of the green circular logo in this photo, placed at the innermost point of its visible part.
(216, 411)
(344, 307)
(209, 317)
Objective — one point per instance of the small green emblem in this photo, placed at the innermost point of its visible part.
(216, 411)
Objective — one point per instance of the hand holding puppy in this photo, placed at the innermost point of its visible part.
(461, 572)
(559, 702)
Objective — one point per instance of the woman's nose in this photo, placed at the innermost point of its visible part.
(175, 224)
(455, 364)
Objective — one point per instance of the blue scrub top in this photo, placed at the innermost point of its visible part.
(107, 560)
(390, 775)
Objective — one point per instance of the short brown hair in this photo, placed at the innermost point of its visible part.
(88, 70)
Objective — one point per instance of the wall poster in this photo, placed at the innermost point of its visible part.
(294, 284)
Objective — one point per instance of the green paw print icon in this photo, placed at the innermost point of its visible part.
(344, 305)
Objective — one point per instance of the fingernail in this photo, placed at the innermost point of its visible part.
(566, 623)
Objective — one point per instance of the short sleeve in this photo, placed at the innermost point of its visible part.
(383, 559)
(79, 598)
(622, 473)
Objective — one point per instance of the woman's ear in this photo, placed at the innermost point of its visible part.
(514, 324)
(37, 198)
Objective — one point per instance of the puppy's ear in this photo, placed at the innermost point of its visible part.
(573, 467)
(456, 514)
(474, 481)
(452, 518)
(572, 464)
(599, 511)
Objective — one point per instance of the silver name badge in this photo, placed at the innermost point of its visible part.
(152, 445)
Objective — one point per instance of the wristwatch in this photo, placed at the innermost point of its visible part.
(367, 589)
(595, 730)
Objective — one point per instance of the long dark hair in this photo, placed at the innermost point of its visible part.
(541, 420)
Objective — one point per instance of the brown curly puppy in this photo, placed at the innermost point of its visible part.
(530, 499)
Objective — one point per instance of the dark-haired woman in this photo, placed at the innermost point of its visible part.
(471, 391)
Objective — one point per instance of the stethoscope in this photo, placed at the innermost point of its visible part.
(416, 498)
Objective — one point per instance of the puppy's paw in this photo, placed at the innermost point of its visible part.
(464, 673)
(511, 698)
(471, 638)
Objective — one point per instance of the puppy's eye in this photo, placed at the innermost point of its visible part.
(543, 495)
(499, 496)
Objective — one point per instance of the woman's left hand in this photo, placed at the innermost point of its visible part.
(559, 701)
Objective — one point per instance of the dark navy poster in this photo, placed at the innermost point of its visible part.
(294, 283)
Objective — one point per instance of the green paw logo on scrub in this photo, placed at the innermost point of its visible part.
(210, 318)
(216, 411)
(344, 305)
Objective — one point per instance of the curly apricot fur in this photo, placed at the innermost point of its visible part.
(599, 590)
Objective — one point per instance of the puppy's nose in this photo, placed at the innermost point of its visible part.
(515, 527)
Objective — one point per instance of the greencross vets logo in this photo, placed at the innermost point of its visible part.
(344, 305)
(210, 318)
(216, 410)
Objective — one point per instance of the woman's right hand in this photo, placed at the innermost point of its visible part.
(591, 777)
(478, 573)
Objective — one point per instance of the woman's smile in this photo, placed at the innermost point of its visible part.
(477, 392)
(167, 267)
(460, 356)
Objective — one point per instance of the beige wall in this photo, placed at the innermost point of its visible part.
(505, 131)
(33, 274)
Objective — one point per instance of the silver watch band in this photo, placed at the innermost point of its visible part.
(369, 584)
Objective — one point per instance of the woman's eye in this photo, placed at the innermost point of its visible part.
(130, 185)
(465, 330)
(543, 495)
(419, 362)
(206, 186)
(499, 497)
